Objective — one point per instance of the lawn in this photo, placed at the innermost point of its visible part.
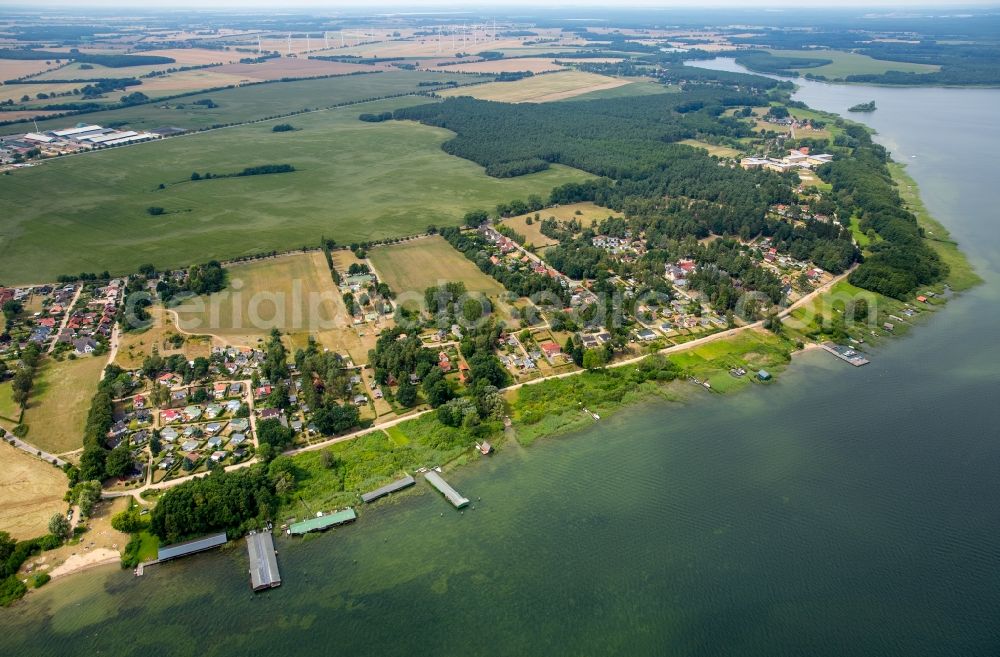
(31, 491)
(370, 461)
(849, 63)
(713, 149)
(589, 214)
(57, 410)
(8, 409)
(540, 88)
(293, 293)
(415, 265)
(250, 102)
(354, 181)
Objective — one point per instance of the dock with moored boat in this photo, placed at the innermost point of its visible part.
(846, 354)
(452, 495)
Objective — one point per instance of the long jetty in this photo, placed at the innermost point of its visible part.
(397, 485)
(452, 495)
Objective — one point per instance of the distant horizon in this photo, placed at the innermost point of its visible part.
(435, 5)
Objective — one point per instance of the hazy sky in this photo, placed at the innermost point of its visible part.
(333, 5)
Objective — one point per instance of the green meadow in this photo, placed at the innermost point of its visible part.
(354, 181)
(255, 101)
(849, 63)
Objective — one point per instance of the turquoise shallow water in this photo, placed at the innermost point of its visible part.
(837, 512)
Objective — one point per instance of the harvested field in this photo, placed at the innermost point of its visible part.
(187, 81)
(415, 265)
(422, 47)
(286, 67)
(57, 411)
(540, 88)
(26, 114)
(292, 293)
(198, 56)
(12, 69)
(16, 91)
(589, 215)
(133, 348)
(533, 64)
(31, 491)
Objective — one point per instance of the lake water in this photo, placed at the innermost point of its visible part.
(838, 512)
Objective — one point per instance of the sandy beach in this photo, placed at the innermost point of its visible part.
(80, 562)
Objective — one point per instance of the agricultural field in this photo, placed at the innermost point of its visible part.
(416, 265)
(639, 87)
(182, 83)
(533, 64)
(16, 91)
(251, 102)
(285, 67)
(58, 407)
(589, 215)
(197, 56)
(354, 181)
(713, 149)
(31, 491)
(849, 63)
(540, 88)
(292, 293)
(12, 69)
(420, 47)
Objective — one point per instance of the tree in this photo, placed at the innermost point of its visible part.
(88, 493)
(594, 359)
(273, 433)
(129, 521)
(406, 394)
(475, 218)
(59, 526)
(119, 462)
(12, 309)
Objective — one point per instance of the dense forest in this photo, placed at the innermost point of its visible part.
(111, 61)
(901, 261)
(672, 191)
(223, 501)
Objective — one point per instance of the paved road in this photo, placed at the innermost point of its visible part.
(34, 451)
(67, 311)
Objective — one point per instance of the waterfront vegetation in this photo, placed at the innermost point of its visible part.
(961, 275)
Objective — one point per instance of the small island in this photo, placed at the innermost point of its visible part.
(863, 107)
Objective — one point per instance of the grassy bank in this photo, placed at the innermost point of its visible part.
(961, 275)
